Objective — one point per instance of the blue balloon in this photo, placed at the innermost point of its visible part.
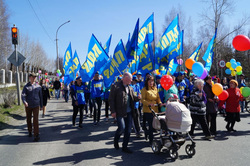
(228, 71)
(232, 61)
(60, 80)
(233, 65)
(238, 63)
(198, 69)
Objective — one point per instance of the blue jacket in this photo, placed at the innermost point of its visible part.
(136, 88)
(86, 87)
(96, 88)
(161, 92)
(181, 89)
(78, 94)
(106, 93)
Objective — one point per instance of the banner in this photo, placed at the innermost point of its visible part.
(172, 66)
(132, 47)
(70, 75)
(146, 58)
(169, 43)
(196, 53)
(106, 46)
(209, 54)
(146, 29)
(118, 62)
(67, 60)
(95, 59)
(127, 45)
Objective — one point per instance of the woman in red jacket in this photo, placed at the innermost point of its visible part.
(232, 105)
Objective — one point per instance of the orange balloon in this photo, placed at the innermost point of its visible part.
(189, 63)
(217, 89)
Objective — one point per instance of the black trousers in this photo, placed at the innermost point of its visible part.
(211, 121)
(137, 120)
(88, 102)
(203, 123)
(106, 108)
(97, 111)
(76, 109)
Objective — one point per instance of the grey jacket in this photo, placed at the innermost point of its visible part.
(32, 94)
(118, 100)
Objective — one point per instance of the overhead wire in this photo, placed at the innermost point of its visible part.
(40, 21)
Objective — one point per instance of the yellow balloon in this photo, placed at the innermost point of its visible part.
(233, 73)
(231, 68)
(241, 89)
(238, 68)
(228, 64)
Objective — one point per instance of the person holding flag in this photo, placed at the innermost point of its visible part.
(78, 100)
(96, 93)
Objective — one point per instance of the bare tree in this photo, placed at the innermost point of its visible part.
(5, 40)
(213, 19)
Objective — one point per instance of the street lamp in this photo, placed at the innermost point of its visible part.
(57, 44)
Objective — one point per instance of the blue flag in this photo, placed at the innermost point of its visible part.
(132, 48)
(71, 72)
(67, 60)
(146, 29)
(172, 66)
(118, 63)
(106, 46)
(95, 59)
(208, 56)
(168, 44)
(181, 42)
(196, 53)
(146, 58)
(127, 45)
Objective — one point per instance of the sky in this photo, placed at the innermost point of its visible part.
(99, 17)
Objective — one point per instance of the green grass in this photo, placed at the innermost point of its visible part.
(6, 113)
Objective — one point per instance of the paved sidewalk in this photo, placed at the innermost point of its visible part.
(61, 144)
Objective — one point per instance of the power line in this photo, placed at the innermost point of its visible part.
(40, 21)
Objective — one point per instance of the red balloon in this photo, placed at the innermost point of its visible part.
(166, 82)
(46, 73)
(224, 95)
(241, 43)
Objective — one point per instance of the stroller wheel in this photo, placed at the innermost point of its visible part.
(156, 147)
(190, 150)
(173, 153)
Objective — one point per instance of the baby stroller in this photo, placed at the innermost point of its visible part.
(174, 126)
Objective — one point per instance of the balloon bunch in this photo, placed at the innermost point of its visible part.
(197, 67)
(241, 43)
(218, 91)
(58, 73)
(46, 74)
(245, 91)
(166, 82)
(233, 68)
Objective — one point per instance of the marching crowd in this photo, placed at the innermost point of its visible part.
(128, 99)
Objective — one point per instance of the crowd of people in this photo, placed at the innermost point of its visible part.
(128, 100)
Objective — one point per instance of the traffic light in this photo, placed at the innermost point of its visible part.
(14, 35)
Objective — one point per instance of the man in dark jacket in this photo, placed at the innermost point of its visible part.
(121, 100)
(32, 98)
(57, 86)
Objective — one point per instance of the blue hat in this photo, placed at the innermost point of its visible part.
(134, 77)
(139, 73)
(182, 73)
(158, 77)
(78, 78)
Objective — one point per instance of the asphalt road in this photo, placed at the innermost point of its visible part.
(61, 144)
